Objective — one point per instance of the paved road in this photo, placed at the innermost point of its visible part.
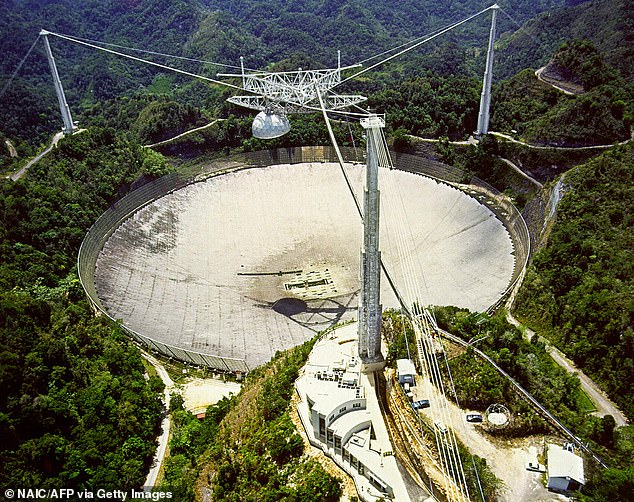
(16, 176)
(198, 395)
(165, 425)
(598, 397)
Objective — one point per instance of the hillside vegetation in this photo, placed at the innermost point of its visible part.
(29, 109)
(603, 114)
(608, 24)
(247, 447)
(320, 27)
(76, 410)
(305, 34)
(579, 290)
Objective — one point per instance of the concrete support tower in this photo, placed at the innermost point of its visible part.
(485, 98)
(69, 127)
(369, 301)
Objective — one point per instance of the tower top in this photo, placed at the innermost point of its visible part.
(372, 121)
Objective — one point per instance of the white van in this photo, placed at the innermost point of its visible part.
(440, 426)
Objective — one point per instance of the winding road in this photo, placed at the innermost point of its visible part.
(536, 404)
(17, 175)
(197, 394)
(169, 140)
(541, 147)
(521, 173)
(604, 405)
(165, 425)
(538, 74)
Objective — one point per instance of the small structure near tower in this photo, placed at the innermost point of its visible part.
(497, 416)
(565, 469)
(405, 371)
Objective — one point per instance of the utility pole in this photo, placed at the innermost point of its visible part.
(369, 302)
(485, 98)
(69, 126)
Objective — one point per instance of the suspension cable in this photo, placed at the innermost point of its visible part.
(521, 28)
(422, 320)
(387, 51)
(417, 44)
(159, 65)
(450, 461)
(338, 152)
(156, 53)
(446, 458)
(6, 86)
(404, 44)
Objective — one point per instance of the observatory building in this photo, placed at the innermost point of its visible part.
(340, 413)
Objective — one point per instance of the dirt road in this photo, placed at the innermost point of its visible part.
(538, 74)
(17, 175)
(600, 400)
(506, 459)
(197, 393)
(163, 439)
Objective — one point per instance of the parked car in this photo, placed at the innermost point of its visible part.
(474, 417)
(440, 426)
(535, 466)
(423, 403)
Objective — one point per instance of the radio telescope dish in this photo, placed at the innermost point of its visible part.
(270, 125)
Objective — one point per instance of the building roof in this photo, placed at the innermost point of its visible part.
(362, 430)
(564, 464)
(332, 382)
(405, 367)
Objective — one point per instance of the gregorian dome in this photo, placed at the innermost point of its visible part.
(270, 125)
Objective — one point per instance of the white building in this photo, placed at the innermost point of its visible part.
(341, 415)
(405, 371)
(565, 469)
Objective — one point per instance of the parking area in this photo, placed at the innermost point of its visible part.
(508, 459)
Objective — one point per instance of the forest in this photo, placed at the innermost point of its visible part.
(221, 32)
(77, 409)
(579, 290)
